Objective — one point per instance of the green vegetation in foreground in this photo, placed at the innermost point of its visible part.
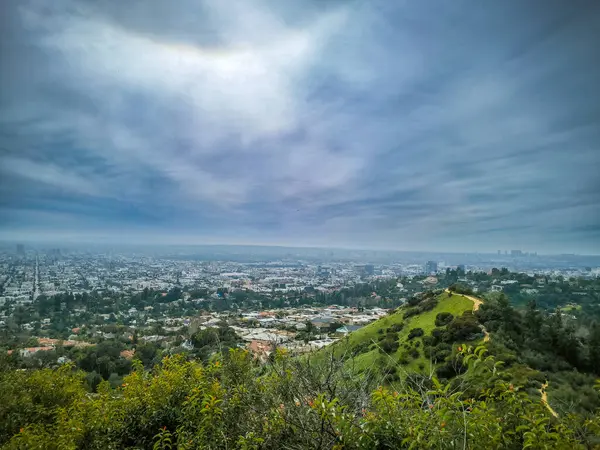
(370, 334)
(235, 403)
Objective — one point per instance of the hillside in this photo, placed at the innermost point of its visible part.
(390, 338)
(233, 401)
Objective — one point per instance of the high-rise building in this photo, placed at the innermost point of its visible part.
(369, 269)
(499, 252)
(431, 267)
(516, 253)
(323, 271)
(460, 267)
(20, 249)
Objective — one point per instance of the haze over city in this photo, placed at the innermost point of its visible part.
(387, 125)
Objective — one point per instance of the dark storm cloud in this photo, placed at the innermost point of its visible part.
(418, 125)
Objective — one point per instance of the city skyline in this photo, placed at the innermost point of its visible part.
(369, 126)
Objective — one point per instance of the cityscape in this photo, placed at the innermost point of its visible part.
(266, 296)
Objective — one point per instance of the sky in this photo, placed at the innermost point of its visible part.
(408, 125)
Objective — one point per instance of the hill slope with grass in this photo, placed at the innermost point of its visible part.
(418, 336)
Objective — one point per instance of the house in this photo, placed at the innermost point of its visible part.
(260, 349)
(430, 280)
(26, 352)
(322, 323)
(187, 345)
(127, 354)
(348, 329)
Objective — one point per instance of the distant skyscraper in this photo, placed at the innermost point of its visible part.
(323, 271)
(431, 267)
(516, 253)
(369, 269)
(460, 267)
(20, 249)
(499, 252)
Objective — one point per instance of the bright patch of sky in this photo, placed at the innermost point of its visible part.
(451, 126)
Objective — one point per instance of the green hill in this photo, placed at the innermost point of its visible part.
(373, 343)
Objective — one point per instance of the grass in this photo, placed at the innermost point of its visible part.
(570, 307)
(455, 304)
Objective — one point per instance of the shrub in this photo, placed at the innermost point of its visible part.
(429, 341)
(389, 346)
(461, 289)
(440, 352)
(443, 318)
(428, 304)
(411, 312)
(363, 347)
(287, 404)
(462, 328)
(395, 328)
(415, 332)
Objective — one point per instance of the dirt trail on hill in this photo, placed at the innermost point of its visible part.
(477, 302)
(545, 399)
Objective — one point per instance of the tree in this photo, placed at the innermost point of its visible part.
(594, 348)
(147, 354)
(533, 319)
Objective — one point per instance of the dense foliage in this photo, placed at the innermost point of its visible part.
(233, 403)
(560, 346)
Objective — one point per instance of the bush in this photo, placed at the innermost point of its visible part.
(389, 336)
(395, 328)
(363, 347)
(429, 341)
(462, 328)
(415, 332)
(440, 352)
(443, 318)
(414, 301)
(184, 403)
(411, 312)
(421, 303)
(428, 304)
(461, 289)
(389, 346)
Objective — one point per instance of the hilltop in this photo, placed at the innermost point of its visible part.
(540, 351)
(418, 336)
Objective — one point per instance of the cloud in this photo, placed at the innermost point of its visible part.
(341, 123)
